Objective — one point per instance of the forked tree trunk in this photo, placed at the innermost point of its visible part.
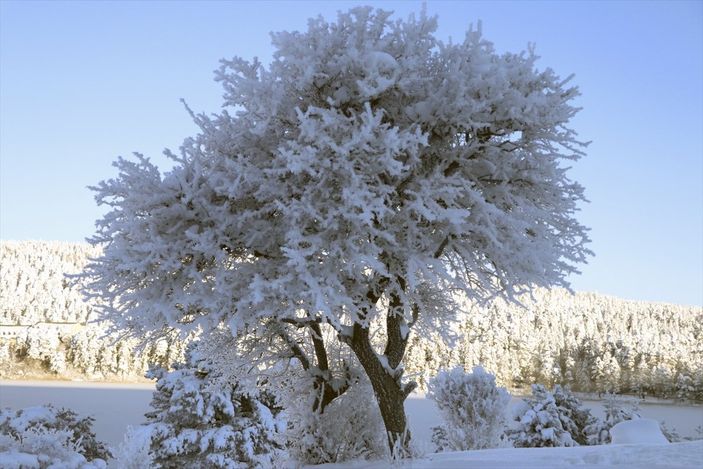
(389, 393)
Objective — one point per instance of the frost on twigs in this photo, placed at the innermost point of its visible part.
(473, 409)
(366, 164)
(350, 427)
(48, 437)
(310, 193)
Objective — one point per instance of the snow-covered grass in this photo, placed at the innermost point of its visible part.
(117, 406)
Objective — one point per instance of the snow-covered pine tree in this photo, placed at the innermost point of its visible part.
(473, 409)
(575, 418)
(541, 424)
(200, 421)
(367, 171)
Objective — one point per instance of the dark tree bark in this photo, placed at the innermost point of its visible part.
(388, 389)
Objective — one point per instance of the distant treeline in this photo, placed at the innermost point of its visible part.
(591, 342)
(588, 341)
(45, 323)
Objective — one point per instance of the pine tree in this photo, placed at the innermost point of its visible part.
(198, 421)
(575, 418)
(540, 425)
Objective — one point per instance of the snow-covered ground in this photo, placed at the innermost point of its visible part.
(670, 456)
(423, 415)
(115, 406)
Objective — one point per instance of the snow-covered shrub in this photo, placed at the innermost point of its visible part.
(349, 428)
(473, 408)
(133, 452)
(200, 421)
(616, 410)
(575, 418)
(540, 425)
(39, 437)
(671, 434)
(699, 432)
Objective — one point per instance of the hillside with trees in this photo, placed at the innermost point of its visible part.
(48, 328)
(591, 342)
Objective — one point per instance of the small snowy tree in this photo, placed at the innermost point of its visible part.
(473, 409)
(616, 410)
(575, 418)
(369, 170)
(541, 424)
(199, 422)
(671, 434)
(48, 437)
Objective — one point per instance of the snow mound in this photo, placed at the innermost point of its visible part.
(637, 431)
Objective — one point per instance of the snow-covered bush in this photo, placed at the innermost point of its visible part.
(134, 451)
(349, 428)
(200, 421)
(541, 424)
(473, 408)
(671, 434)
(39, 437)
(616, 410)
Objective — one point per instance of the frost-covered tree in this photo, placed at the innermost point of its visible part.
(542, 423)
(575, 418)
(364, 176)
(473, 408)
(199, 421)
(587, 341)
(44, 436)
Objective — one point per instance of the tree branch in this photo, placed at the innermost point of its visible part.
(295, 349)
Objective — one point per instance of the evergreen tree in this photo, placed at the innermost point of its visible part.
(198, 421)
(541, 424)
(52, 437)
(575, 418)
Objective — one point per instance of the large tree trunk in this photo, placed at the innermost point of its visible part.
(389, 392)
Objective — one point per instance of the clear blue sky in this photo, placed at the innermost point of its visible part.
(84, 82)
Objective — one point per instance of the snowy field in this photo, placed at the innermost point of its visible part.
(115, 406)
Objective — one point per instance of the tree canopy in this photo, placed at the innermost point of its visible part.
(369, 172)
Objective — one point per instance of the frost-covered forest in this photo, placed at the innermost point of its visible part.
(588, 341)
(45, 323)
